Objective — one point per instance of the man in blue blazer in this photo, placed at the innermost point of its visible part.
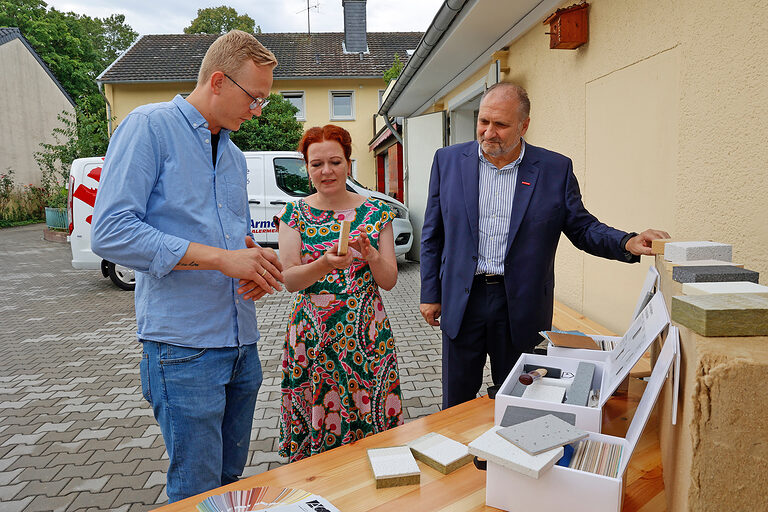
(495, 211)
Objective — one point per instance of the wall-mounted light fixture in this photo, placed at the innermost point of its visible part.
(568, 27)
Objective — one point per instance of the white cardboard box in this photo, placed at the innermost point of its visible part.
(561, 488)
(646, 326)
(609, 373)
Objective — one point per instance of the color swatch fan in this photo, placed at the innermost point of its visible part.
(264, 498)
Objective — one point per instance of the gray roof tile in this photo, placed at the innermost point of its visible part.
(177, 57)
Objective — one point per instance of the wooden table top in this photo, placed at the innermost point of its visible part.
(343, 475)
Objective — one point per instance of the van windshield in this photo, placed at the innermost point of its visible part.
(291, 176)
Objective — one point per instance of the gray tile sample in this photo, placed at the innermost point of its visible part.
(541, 434)
(493, 448)
(713, 274)
(688, 251)
(514, 415)
(582, 384)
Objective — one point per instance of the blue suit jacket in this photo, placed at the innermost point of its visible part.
(547, 204)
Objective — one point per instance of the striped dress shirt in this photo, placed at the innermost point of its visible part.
(497, 189)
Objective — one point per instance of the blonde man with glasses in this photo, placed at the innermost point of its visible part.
(172, 204)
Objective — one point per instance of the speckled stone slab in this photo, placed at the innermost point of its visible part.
(440, 452)
(713, 274)
(723, 314)
(730, 287)
(703, 263)
(687, 251)
(394, 466)
(541, 434)
(492, 447)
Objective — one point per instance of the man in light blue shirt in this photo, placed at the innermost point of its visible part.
(172, 204)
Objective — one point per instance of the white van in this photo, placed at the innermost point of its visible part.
(274, 178)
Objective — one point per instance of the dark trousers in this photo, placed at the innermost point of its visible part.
(484, 331)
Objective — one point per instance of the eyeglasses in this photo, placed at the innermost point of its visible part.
(257, 102)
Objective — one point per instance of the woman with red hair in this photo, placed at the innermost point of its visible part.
(340, 378)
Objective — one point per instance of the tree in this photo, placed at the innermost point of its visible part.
(275, 130)
(220, 20)
(394, 72)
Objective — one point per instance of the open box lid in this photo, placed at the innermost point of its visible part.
(648, 325)
(669, 353)
(649, 288)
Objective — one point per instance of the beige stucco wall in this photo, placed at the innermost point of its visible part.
(125, 97)
(664, 113)
(30, 102)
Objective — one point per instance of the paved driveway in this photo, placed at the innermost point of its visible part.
(75, 433)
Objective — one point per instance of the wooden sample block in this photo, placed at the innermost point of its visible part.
(729, 287)
(713, 274)
(689, 251)
(344, 237)
(494, 448)
(737, 314)
(657, 246)
(693, 263)
(440, 452)
(394, 466)
(541, 434)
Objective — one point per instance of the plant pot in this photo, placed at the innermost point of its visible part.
(56, 218)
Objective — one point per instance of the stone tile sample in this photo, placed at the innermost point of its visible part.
(729, 287)
(688, 251)
(737, 314)
(493, 448)
(440, 452)
(713, 274)
(542, 434)
(582, 384)
(514, 415)
(544, 392)
(394, 466)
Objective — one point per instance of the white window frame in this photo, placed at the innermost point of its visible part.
(333, 117)
(354, 167)
(301, 115)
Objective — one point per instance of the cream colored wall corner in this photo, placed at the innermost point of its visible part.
(31, 103)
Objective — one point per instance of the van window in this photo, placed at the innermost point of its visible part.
(291, 176)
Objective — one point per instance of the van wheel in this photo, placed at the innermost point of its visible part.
(123, 277)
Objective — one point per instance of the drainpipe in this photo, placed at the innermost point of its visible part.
(392, 129)
(109, 108)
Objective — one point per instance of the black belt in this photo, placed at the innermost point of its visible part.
(490, 278)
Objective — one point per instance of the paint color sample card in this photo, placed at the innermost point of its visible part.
(544, 392)
(440, 452)
(393, 466)
(542, 434)
(492, 447)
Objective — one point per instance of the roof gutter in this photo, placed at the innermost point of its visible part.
(440, 25)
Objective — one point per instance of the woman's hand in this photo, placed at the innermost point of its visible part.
(334, 260)
(362, 244)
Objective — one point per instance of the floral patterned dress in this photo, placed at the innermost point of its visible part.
(340, 378)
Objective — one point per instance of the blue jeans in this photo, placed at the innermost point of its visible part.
(203, 400)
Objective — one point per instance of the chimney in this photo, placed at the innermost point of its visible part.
(355, 40)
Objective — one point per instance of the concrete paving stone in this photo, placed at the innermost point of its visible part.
(46, 504)
(153, 465)
(54, 427)
(22, 439)
(138, 496)
(84, 471)
(37, 488)
(72, 458)
(98, 500)
(85, 485)
(43, 473)
(59, 447)
(132, 481)
(16, 505)
(117, 468)
(93, 434)
(10, 491)
(101, 444)
(60, 437)
(155, 478)
(25, 449)
(8, 477)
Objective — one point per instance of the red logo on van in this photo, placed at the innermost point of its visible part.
(88, 195)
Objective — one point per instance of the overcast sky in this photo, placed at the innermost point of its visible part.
(171, 16)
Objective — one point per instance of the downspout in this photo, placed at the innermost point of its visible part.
(109, 107)
(392, 129)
